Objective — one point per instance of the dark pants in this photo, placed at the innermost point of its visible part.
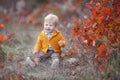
(50, 54)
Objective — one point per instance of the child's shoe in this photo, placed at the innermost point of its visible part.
(30, 62)
(55, 64)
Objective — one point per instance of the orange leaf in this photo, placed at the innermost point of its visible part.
(77, 46)
(117, 20)
(118, 38)
(84, 27)
(5, 38)
(1, 25)
(1, 38)
(70, 52)
(93, 37)
(100, 19)
(106, 12)
(94, 12)
(102, 54)
(102, 47)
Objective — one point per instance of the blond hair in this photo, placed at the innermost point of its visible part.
(51, 18)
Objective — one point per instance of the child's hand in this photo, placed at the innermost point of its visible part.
(62, 55)
(60, 43)
(35, 52)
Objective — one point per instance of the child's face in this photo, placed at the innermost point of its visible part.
(49, 27)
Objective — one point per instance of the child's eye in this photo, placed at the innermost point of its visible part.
(46, 24)
(51, 25)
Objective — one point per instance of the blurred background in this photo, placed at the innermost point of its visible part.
(22, 20)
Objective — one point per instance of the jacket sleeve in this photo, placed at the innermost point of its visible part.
(38, 43)
(61, 38)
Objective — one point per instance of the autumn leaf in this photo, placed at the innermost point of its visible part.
(93, 37)
(31, 18)
(70, 52)
(101, 29)
(19, 75)
(118, 39)
(76, 30)
(109, 42)
(1, 25)
(1, 38)
(77, 46)
(102, 54)
(117, 20)
(2, 65)
(100, 19)
(85, 27)
(102, 47)
(94, 12)
(5, 38)
(106, 12)
(77, 3)
(80, 39)
(102, 66)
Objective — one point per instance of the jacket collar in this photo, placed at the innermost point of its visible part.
(54, 34)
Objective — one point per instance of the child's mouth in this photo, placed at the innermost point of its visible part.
(48, 29)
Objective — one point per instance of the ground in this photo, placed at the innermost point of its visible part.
(21, 47)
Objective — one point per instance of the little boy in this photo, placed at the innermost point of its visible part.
(49, 42)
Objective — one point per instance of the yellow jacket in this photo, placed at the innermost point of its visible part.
(43, 42)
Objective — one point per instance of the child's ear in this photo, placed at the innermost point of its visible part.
(56, 24)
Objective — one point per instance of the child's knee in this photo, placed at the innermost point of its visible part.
(55, 55)
(55, 63)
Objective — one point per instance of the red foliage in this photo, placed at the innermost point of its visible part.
(102, 47)
(3, 39)
(70, 52)
(77, 46)
(103, 26)
(1, 25)
(102, 52)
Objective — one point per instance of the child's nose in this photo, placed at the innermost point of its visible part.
(48, 26)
